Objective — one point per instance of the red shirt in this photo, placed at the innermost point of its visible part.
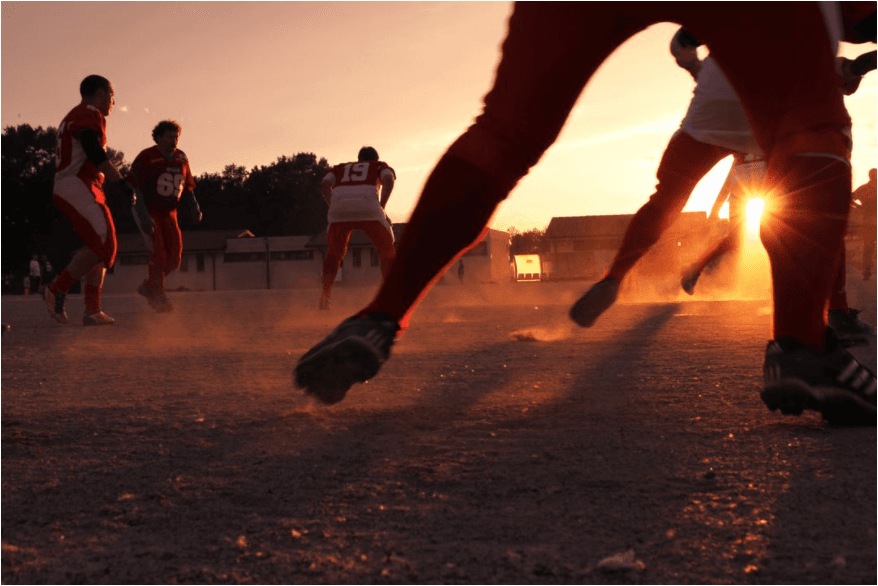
(70, 158)
(161, 181)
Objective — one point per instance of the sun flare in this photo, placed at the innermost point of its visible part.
(753, 215)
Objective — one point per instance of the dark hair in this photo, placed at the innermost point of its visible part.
(367, 153)
(164, 126)
(91, 84)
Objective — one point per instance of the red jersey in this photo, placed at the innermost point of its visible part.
(161, 180)
(70, 158)
(356, 189)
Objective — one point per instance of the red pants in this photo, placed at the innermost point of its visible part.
(167, 248)
(339, 234)
(550, 53)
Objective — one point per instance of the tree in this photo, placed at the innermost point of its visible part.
(530, 242)
(28, 212)
(32, 223)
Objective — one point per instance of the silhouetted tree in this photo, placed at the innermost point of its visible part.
(31, 222)
(529, 242)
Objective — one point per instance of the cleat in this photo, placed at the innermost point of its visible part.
(832, 383)
(99, 318)
(352, 353)
(595, 302)
(324, 301)
(158, 301)
(147, 292)
(690, 278)
(55, 305)
(849, 328)
(162, 303)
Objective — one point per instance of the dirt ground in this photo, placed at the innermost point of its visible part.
(498, 445)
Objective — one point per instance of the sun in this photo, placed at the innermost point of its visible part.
(753, 214)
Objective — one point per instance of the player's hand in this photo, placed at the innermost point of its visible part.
(141, 216)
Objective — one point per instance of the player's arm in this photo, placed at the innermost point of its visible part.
(326, 186)
(684, 48)
(139, 210)
(388, 178)
(91, 145)
(188, 197)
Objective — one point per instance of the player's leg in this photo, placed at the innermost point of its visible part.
(547, 58)
(843, 319)
(732, 241)
(549, 54)
(684, 163)
(94, 280)
(172, 241)
(382, 237)
(94, 226)
(798, 117)
(868, 250)
(338, 235)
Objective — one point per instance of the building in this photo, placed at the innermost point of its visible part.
(583, 247)
(228, 260)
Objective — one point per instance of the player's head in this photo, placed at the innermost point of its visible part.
(164, 127)
(98, 92)
(367, 153)
(872, 175)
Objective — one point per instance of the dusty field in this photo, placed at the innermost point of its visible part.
(497, 446)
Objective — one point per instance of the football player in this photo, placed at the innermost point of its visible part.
(82, 166)
(161, 176)
(357, 194)
(798, 117)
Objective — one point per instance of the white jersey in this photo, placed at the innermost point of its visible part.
(715, 114)
(356, 191)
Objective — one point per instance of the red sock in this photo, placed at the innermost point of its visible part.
(92, 295)
(63, 282)
(803, 233)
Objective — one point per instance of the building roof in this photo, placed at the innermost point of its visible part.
(200, 241)
(605, 226)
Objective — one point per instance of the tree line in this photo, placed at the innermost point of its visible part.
(279, 199)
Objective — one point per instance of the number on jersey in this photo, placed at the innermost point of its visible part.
(169, 184)
(355, 172)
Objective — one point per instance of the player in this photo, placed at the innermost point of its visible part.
(865, 194)
(357, 194)
(160, 175)
(81, 169)
(714, 127)
(551, 50)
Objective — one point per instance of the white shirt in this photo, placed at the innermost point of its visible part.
(715, 114)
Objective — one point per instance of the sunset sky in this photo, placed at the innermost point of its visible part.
(252, 81)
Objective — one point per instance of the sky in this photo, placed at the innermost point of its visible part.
(252, 81)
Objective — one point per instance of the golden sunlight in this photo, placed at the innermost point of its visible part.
(753, 214)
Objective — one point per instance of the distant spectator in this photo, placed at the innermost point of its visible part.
(34, 274)
(25, 285)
